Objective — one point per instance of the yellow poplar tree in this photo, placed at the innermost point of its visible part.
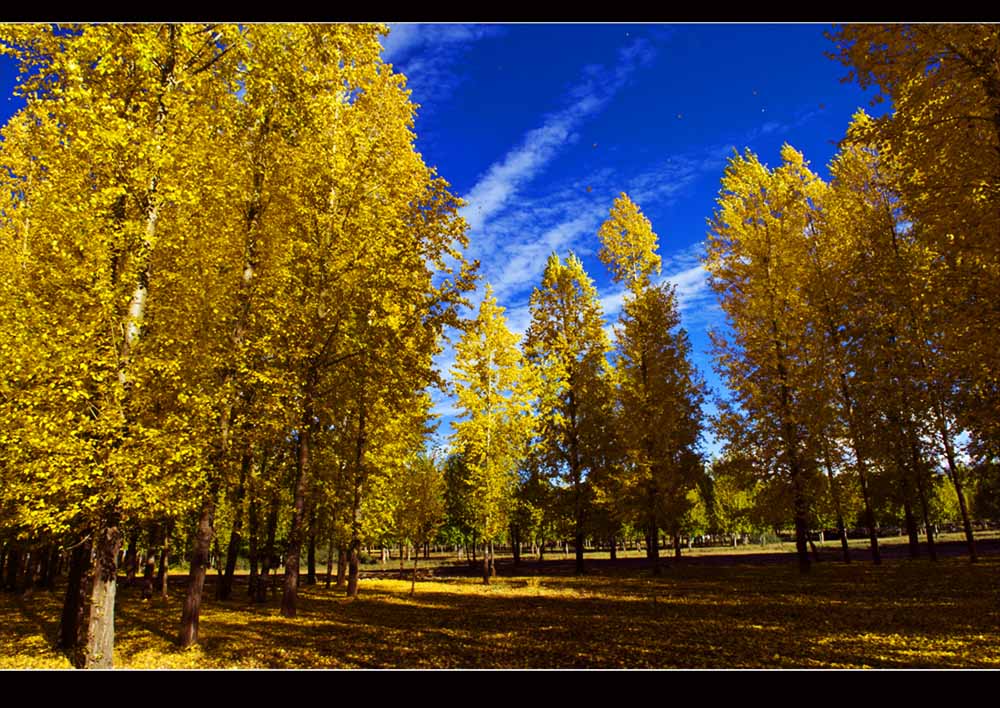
(568, 346)
(940, 148)
(757, 260)
(657, 388)
(116, 123)
(495, 388)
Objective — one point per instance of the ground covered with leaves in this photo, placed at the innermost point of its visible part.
(906, 613)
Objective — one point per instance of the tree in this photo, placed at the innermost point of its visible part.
(657, 389)
(940, 148)
(118, 121)
(495, 388)
(757, 258)
(419, 509)
(567, 344)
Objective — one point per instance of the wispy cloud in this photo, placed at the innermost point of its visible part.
(504, 178)
(429, 55)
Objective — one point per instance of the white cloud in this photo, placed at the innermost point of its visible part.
(504, 178)
(405, 38)
(430, 56)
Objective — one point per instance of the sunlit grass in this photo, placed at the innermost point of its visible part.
(903, 614)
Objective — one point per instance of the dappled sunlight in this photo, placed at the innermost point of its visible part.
(738, 616)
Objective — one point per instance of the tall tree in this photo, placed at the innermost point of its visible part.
(756, 258)
(567, 344)
(495, 388)
(940, 148)
(657, 388)
(118, 120)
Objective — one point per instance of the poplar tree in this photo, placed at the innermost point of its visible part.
(117, 123)
(757, 261)
(495, 388)
(567, 344)
(657, 389)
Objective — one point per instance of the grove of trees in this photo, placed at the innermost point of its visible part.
(225, 271)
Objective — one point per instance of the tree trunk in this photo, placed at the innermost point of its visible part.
(269, 555)
(311, 551)
(653, 547)
(329, 563)
(253, 529)
(14, 558)
(163, 573)
(486, 566)
(46, 571)
(297, 530)
(199, 566)
(413, 580)
(352, 575)
(225, 589)
(957, 483)
(402, 569)
(515, 539)
(148, 573)
(101, 622)
(493, 567)
(841, 529)
(72, 627)
(132, 558)
(341, 565)
(911, 525)
(931, 550)
(677, 545)
(614, 548)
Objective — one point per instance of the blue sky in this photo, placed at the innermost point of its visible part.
(540, 126)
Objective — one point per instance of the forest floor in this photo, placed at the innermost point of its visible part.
(713, 610)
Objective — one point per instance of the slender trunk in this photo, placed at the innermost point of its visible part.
(515, 538)
(486, 566)
(311, 551)
(841, 529)
(614, 548)
(163, 573)
(352, 575)
(355, 546)
(225, 588)
(493, 567)
(14, 558)
(413, 580)
(653, 547)
(295, 533)
(402, 569)
(911, 526)
(132, 558)
(73, 628)
(148, 573)
(269, 555)
(199, 566)
(341, 565)
(101, 623)
(329, 563)
(956, 481)
(677, 545)
(47, 561)
(928, 526)
(253, 523)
